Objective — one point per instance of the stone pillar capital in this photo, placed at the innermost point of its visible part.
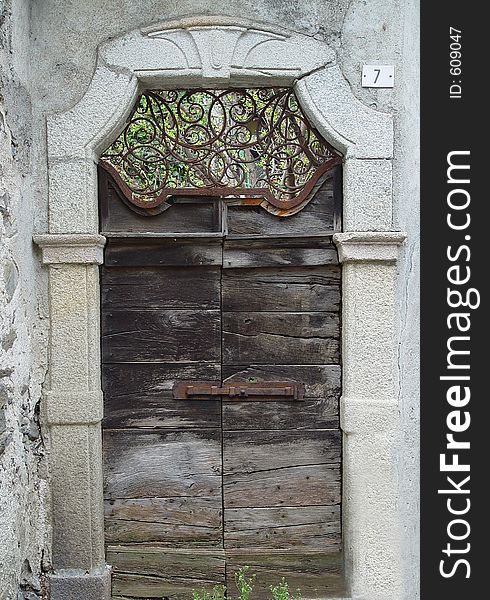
(71, 248)
(369, 246)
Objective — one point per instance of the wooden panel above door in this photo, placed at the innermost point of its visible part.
(188, 215)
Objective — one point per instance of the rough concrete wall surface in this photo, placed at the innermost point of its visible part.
(406, 195)
(23, 520)
(61, 38)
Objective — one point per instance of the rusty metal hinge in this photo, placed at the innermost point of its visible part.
(268, 390)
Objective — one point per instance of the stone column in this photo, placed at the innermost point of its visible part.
(73, 410)
(369, 414)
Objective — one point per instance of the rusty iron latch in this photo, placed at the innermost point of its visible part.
(205, 390)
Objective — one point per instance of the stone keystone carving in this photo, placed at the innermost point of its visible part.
(218, 52)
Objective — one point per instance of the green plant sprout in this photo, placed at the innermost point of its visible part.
(217, 593)
(281, 592)
(244, 581)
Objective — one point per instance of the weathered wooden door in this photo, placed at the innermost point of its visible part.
(212, 294)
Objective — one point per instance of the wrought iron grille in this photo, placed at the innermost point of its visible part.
(253, 144)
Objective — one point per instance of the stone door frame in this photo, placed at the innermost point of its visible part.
(214, 52)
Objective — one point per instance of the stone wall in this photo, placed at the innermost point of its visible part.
(47, 60)
(23, 481)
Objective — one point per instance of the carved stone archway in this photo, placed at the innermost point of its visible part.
(212, 52)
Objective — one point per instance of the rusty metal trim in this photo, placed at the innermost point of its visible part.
(218, 156)
(239, 391)
(243, 196)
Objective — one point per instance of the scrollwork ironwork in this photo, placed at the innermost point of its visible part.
(254, 144)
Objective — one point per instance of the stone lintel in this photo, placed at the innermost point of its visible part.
(80, 585)
(369, 246)
(71, 248)
(73, 408)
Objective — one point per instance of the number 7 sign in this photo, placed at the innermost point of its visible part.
(378, 76)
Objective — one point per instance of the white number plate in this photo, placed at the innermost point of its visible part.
(378, 76)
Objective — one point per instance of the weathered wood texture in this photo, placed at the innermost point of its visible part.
(243, 254)
(282, 289)
(281, 338)
(164, 464)
(280, 415)
(286, 486)
(147, 573)
(140, 395)
(316, 574)
(319, 409)
(165, 252)
(286, 527)
(166, 573)
(259, 479)
(320, 381)
(249, 451)
(185, 521)
(188, 215)
(318, 217)
(161, 335)
(161, 287)
(297, 325)
(155, 314)
(281, 468)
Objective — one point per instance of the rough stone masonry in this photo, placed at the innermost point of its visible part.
(23, 485)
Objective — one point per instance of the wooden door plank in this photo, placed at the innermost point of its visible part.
(149, 573)
(117, 216)
(324, 275)
(281, 338)
(158, 252)
(165, 521)
(252, 451)
(308, 414)
(206, 565)
(286, 486)
(140, 395)
(320, 381)
(315, 289)
(287, 527)
(245, 258)
(301, 325)
(267, 347)
(161, 412)
(189, 217)
(164, 464)
(272, 242)
(315, 574)
(161, 335)
(147, 587)
(164, 287)
(281, 468)
(319, 409)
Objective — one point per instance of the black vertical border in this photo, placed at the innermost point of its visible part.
(453, 125)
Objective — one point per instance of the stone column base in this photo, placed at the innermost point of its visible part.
(78, 585)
